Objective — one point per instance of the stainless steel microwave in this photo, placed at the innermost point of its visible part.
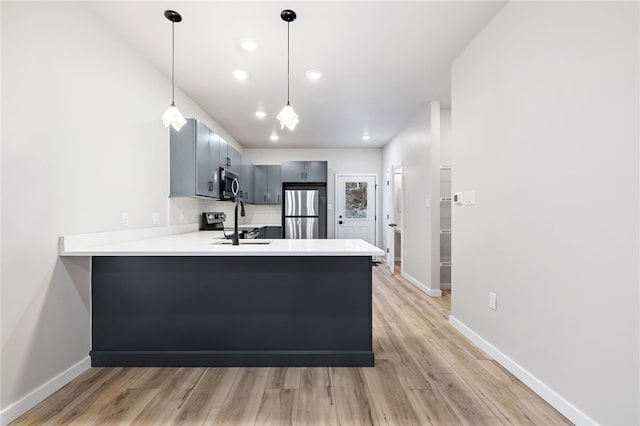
(229, 184)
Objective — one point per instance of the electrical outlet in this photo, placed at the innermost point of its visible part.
(155, 218)
(181, 217)
(125, 219)
(493, 301)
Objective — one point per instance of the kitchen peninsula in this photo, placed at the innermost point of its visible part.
(190, 299)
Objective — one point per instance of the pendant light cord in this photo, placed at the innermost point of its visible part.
(288, 78)
(173, 50)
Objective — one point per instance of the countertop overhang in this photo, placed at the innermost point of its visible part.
(183, 241)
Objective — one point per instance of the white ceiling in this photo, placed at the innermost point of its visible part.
(381, 61)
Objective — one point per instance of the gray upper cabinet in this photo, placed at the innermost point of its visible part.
(304, 171)
(315, 171)
(260, 191)
(268, 186)
(230, 158)
(293, 171)
(235, 159)
(214, 161)
(247, 180)
(274, 184)
(191, 171)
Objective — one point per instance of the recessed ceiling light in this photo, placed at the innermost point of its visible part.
(261, 114)
(273, 137)
(313, 74)
(240, 74)
(366, 137)
(248, 45)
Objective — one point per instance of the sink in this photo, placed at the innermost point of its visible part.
(244, 242)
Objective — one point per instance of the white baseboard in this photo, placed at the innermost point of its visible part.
(33, 398)
(423, 287)
(569, 410)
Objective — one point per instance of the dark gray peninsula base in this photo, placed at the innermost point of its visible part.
(231, 311)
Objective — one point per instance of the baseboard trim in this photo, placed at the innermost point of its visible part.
(421, 286)
(33, 398)
(569, 410)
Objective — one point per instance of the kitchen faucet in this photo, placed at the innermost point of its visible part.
(235, 237)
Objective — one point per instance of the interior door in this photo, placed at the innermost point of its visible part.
(389, 215)
(356, 209)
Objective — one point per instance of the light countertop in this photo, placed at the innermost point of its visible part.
(207, 243)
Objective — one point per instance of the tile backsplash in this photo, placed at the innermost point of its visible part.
(188, 210)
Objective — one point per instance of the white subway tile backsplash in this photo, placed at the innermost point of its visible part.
(190, 210)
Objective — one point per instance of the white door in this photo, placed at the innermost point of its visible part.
(389, 225)
(356, 207)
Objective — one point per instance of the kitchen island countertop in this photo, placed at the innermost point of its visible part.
(208, 243)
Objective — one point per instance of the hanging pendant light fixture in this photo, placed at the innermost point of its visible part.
(288, 116)
(173, 117)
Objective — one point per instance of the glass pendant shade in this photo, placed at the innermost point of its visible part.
(172, 117)
(288, 118)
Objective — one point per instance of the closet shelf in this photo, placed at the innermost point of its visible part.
(445, 167)
(445, 232)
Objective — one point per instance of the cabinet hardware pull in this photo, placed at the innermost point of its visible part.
(302, 176)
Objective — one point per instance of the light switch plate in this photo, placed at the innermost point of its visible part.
(469, 198)
(493, 301)
(124, 221)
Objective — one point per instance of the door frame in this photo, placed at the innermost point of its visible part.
(375, 202)
(394, 170)
(390, 203)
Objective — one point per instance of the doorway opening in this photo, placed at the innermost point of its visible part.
(393, 217)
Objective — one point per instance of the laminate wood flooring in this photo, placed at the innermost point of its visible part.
(426, 373)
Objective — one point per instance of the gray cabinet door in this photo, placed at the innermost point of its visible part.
(272, 232)
(293, 171)
(251, 181)
(182, 163)
(315, 171)
(235, 160)
(274, 182)
(247, 180)
(214, 163)
(224, 155)
(203, 170)
(260, 196)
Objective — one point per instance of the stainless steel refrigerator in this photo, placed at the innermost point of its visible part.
(305, 212)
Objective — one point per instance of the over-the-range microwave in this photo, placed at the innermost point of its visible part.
(229, 183)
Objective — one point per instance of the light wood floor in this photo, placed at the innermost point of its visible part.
(425, 373)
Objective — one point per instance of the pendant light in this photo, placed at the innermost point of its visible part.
(173, 117)
(287, 116)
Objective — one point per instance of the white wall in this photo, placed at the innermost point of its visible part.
(545, 130)
(365, 160)
(82, 142)
(445, 137)
(412, 148)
